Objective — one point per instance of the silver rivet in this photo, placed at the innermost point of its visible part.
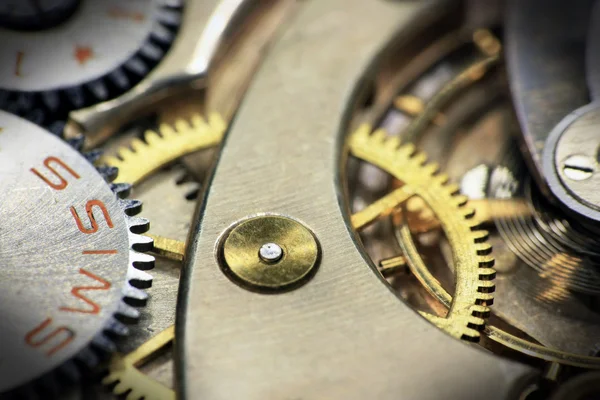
(578, 167)
(270, 252)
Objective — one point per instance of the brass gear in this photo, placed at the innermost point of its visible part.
(473, 265)
(423, 219)
(158, 149)
(127, 380)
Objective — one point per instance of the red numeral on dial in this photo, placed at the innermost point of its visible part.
(66, 333)
(62, 181)
(95, 308)
(89, 208)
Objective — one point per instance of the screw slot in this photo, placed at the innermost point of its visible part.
(579, 167)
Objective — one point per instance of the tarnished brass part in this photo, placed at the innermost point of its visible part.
(380, 208)
(169, 248)
(123, 371)
(472, 262)
(414, 106)
(142, 157)
(466, 78)
(241, 260)
(487, 42)
(392, 265)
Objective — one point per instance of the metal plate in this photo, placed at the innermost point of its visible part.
(63, 272)
(343, 334)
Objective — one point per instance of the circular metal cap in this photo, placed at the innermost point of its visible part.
(269, 253)
(570, 161)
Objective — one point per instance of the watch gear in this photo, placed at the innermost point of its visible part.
(473, 264)
(95, 53)
(141, 157)
(85, 283)
(176, 190)
(126, 380)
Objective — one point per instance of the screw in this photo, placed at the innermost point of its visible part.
(270, 252)
(578, 167)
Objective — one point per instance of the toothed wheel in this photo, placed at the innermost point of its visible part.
(71, 270)
(141, 158)
(471, 259)
(86, 52)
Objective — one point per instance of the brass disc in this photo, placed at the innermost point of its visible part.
(241, 253)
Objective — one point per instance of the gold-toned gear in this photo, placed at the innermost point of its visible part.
(473, 265)
(143, 157)
(129, 381)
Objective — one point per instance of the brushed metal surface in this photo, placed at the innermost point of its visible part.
(43, 251)
(343, 334)
(545, 60)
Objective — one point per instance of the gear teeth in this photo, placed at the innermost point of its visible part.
(121, 389)
(51, 99)
(141, 243)
(130, 207)
(474, 224)
(468, 213)
(360, 136)
(441, 179)
(476, 323)
(98, 88)
(159, 149)
(392, 143)
(406, 151)
(77, 142)
(139, 279)
(410, 167)
(419, 158)
(486, 261)
(486, 287)
(128, 314)
(487, 274)
(117, 328)
(480, 236)
(452, 189)
(135, 297)
(484, 299)
(379, 136)
(471, 335)
(483, 249)
(124, 152)
(93, 156)
(431, 169)
(480, 311)
(57, 128)
(88, 358)
(109, 173)
(136, 66)
(76, 96)
(138, 225)
(141, 261)
(122, 190)
(119, 79)
(104, 344)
